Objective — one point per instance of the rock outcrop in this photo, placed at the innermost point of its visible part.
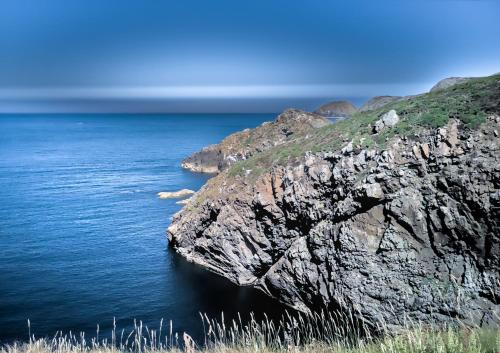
(408, 229)
(241, 145)
(337, 109)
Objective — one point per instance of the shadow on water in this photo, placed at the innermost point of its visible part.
(216, 294)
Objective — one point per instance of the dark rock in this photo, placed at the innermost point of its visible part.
(410, 232)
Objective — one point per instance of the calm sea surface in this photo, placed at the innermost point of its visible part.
(82, 233)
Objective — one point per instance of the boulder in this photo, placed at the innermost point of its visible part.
(389, 119)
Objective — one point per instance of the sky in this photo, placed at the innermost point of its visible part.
(234, 55)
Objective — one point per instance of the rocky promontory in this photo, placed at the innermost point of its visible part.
(395, 223)
(290, 125)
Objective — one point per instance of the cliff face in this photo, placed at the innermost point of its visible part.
(393, 224)
(241, 145)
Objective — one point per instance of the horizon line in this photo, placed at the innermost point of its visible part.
(209, 92)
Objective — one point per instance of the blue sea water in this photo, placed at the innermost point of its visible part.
(82, 232)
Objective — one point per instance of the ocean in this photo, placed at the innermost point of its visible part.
(82, 232)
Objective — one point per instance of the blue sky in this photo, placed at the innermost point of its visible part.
(219, 55)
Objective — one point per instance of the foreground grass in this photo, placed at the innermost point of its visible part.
(318, 334)
(414, 341)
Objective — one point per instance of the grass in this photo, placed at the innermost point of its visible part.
(319, 333)
(469, 102)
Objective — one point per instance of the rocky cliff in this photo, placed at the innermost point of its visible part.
(241, 145)
(392, 223)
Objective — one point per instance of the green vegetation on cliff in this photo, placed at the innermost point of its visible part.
(469, 102)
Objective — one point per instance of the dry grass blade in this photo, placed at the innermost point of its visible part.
(320, 332)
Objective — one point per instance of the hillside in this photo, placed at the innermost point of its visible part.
(393, 211)
(337, 109)
(378, 102)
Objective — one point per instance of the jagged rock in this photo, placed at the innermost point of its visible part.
(373, 191)
(425, 150)
(347, 148)
(416, 152)
(410, 232)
